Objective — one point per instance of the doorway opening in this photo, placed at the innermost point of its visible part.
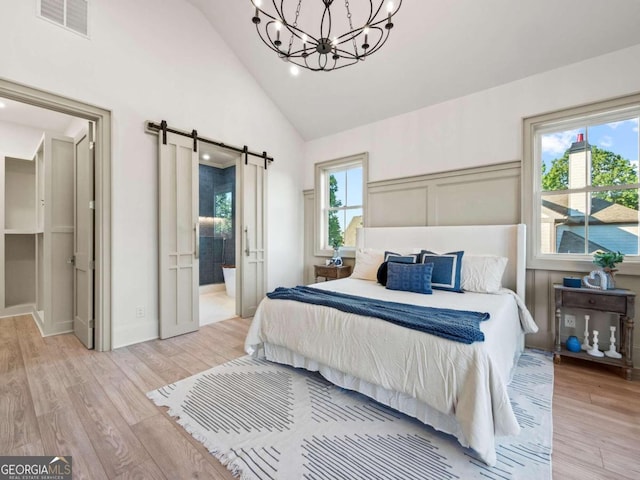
(53, 274)
(218, 237)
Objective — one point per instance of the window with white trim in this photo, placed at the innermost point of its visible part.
(340, 203)
(582, 167)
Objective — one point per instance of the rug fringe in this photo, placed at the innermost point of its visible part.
(230, 462)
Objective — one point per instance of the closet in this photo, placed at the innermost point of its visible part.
(36, 245)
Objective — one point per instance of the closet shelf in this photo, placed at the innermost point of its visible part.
(21, 231)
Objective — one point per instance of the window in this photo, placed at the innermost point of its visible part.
(581, 183)
(340, 203)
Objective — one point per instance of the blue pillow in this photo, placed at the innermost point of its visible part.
(446, 269)
(409, 277)
(396, 257)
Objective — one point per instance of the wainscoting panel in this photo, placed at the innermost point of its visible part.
(459, 203)
(398, 208)
(309, 228)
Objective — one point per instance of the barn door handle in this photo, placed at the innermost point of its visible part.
(196, 228)
(246, 234)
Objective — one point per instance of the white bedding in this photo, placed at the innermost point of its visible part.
(466, 382)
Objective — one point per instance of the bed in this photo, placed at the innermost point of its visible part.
(457, 388)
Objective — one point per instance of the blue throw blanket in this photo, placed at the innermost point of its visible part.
(457, 325)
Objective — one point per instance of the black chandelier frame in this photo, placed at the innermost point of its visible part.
(325, 52)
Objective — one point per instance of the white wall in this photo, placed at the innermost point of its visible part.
(478, 129)
(151, 60)
(19, 141)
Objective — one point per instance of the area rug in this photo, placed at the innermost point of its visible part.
(268, 421)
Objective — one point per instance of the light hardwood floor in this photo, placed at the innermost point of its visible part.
(57, 398)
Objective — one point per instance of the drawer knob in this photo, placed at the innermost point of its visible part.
(592, 301)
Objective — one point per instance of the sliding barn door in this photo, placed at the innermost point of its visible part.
(179, 235)
(254, 238)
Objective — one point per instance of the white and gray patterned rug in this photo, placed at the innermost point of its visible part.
(268, 421)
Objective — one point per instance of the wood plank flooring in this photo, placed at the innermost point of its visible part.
(57, 398)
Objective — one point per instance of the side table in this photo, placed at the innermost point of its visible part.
(618, 301)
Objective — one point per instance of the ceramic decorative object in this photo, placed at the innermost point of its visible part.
(595, 352)
(573, 344)
(597, 279)
(337, 259)
(611, 353)
(585, 344)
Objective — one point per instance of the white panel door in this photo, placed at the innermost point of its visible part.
(179, 235)
(83, 246)
(254, 236)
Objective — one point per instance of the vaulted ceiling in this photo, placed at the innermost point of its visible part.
(438, 50)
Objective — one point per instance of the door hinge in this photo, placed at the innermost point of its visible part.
(92, 264)
(92, 145)
(92, 323)
(92, 204)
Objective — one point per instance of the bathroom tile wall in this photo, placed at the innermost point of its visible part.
(215, 250)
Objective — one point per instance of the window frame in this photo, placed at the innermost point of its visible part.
(533, 127)
(321, 194)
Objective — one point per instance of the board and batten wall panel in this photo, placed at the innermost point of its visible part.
(495, 196)
(488, 195)
(388, 208)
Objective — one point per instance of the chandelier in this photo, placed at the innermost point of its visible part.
(335, 38)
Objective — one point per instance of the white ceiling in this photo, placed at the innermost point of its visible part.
(438, 50)
(35, 117)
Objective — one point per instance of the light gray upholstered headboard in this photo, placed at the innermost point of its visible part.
(502, 240)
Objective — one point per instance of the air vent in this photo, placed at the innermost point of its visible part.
(72, 14)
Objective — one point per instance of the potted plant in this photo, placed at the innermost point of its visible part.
(608, 261)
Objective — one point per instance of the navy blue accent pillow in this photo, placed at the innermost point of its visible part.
(409, 277)
(446, 269)
(382, 273)
(396, 257)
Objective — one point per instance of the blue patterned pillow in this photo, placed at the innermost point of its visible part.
(446, 269)
(409, 277)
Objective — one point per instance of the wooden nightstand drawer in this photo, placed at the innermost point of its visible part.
(327, 272)
(331, 272)
(595, 301)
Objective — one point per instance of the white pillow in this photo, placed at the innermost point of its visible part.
(368, 261)
(482, 273)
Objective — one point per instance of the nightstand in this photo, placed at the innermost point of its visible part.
(620, 302)
(331, 272)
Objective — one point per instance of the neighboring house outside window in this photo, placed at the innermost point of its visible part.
(340, 191)
(580, 189)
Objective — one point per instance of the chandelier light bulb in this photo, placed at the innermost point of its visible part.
(257, 3)
(295, 71)
(278, 25)
(304, 38)
(389, 7)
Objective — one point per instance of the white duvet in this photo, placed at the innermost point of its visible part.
(467, 382)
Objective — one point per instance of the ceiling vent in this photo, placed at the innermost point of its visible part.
(71, 14)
